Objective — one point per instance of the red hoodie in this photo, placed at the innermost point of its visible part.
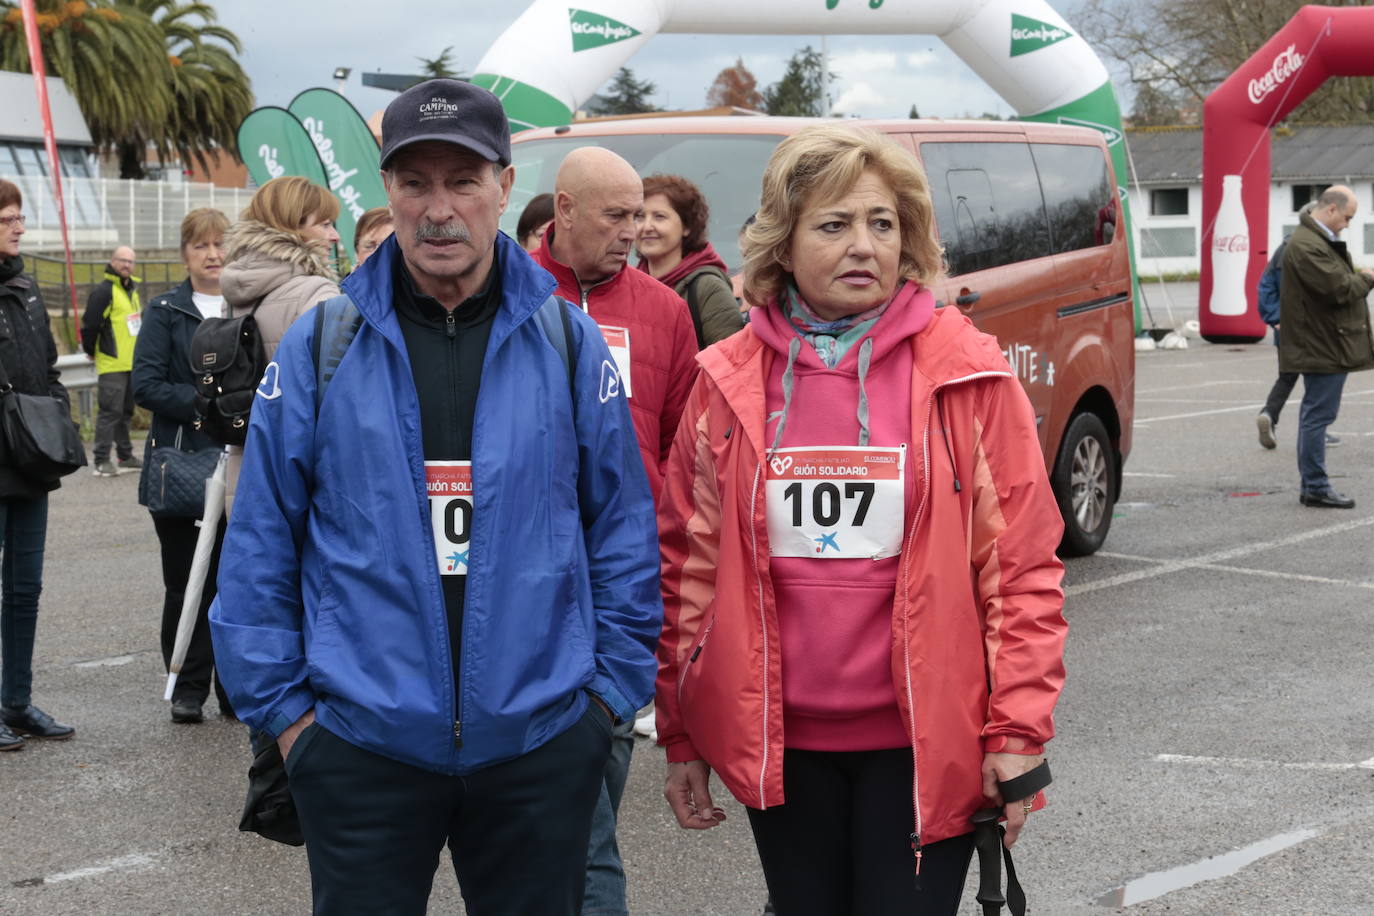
(662, 344)
(835, 616)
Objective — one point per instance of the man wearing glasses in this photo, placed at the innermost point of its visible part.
(109, 330)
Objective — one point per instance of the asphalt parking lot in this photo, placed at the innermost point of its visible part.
(1216, 737)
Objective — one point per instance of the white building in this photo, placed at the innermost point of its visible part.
(1166, 188)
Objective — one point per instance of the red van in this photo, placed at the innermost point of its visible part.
(1027, 214)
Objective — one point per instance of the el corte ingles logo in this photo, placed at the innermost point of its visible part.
(1029, 34)
(593, 30)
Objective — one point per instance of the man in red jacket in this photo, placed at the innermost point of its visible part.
(598, 205)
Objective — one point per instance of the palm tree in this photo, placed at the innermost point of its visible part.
(440, 67)
(143, 71)
(110, 56)
(211, 94)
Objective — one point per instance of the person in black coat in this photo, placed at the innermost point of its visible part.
(164, 383)
(29, 358)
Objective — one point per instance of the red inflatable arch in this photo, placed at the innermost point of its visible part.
(1317, 43)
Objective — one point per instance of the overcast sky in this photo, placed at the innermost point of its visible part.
(291, 45)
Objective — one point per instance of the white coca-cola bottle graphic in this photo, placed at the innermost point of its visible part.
(1230, 251)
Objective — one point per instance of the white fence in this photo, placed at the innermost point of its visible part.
(103, 212)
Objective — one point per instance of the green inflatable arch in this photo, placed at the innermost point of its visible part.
(554, 57)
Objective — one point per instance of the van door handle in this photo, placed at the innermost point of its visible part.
(966, 298)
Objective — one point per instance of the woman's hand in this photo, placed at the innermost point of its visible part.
(999, 768)
(688, 791)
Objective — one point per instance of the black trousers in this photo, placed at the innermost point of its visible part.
(1278, 395)
(841, 845)
(517, 831)
(177, 538)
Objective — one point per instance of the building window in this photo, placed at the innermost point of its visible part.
(1168, 201)
(1168, 242)
(1303, 194)
(1369, 238)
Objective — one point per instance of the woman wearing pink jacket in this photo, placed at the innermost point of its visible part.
(863, 630)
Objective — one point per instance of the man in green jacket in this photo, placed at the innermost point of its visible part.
(109, 330)
(1325, 322)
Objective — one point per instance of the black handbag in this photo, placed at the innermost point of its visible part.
(43, 441)
(173, 481)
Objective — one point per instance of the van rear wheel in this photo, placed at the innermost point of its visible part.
(1084, 484)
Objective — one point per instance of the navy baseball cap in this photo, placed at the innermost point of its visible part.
(450, 111)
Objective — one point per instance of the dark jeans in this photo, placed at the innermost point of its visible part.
(1278, 395)
(115, 398)
(517, 831)
(605, 890)
(1321, 401)
(177, 537)
(24, 530)
(841, 845)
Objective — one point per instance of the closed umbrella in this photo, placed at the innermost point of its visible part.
(200, 564)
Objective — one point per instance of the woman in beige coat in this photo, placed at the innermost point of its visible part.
(279, 252)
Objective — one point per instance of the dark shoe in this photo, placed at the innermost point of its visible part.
(130, 464)
(187, 712)
(1332, 441)
(34, 722)
(1328, 500)
(9, 741)
(104, 469)
(1266, 430)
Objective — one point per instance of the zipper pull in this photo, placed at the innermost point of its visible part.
(916, 849)
(457, 733)
(450, 327)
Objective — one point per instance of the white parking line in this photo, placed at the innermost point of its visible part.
(105, 662)
(1144, 474)
(1161, 567)
(1196, 385)
(133, 860)
(1159, 883)
(1207, 413)
(1246, 763)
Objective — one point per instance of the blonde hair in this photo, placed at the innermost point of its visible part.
(201, 225)
(285, 203)
(822, 163)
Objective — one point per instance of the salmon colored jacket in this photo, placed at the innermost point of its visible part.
(977, 628)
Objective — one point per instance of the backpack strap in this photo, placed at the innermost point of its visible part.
(553, 318)
(694, 307)
(336, 324)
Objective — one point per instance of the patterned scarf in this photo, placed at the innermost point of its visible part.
(830, 339)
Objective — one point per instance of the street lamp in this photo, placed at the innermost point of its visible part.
(341, 74)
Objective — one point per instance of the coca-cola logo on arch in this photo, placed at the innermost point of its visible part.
(1231, 244)
(1287, 63)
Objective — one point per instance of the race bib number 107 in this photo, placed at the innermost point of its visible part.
(449, 485)
(836, 502)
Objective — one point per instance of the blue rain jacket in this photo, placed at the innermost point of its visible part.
(329, 591)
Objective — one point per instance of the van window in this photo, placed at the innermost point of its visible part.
(1078, 195)
(727, 168)
(988, 206)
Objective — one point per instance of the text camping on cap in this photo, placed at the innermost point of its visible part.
(450, 111)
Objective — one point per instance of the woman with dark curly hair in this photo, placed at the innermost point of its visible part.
(673, 250)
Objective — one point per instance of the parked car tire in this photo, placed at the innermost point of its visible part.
(1084, 482)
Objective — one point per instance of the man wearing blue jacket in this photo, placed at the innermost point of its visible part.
(439, 589)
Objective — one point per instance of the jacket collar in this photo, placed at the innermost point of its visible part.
(524, 287)
(180, 299)
(567, 277)
(128, 285)
(946, 351)
(1325, 234)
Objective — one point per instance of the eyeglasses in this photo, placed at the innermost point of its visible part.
(11, 220)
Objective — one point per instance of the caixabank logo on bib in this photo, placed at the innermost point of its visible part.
(1029, 34)
(593, 30)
